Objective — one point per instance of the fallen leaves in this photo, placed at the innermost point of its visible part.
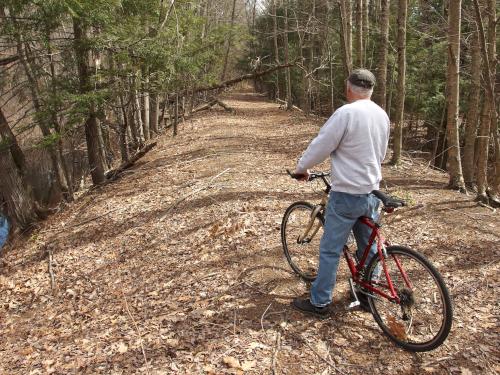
(184, 277)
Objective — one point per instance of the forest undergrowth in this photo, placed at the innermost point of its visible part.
(177, 267)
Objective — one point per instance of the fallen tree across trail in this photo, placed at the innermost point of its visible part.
(115, 173)
(233, 81)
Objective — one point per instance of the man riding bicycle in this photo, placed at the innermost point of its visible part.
(355, 137)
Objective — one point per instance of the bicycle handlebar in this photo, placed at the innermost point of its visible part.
(312, 175)
(389, 202)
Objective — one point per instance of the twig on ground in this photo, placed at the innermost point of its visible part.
(434, 361)
(137, 333)
(330, 363)
(204, 187)
(50, 260)
(486, 206)
(92, 218)
(263, 316)
(275, 353)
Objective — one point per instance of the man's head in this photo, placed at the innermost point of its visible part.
(360, 85)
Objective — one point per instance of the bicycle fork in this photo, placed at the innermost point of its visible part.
(304, 238)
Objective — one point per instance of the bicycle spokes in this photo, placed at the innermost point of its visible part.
(420, 317)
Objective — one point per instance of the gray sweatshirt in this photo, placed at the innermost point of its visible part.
(355, 137)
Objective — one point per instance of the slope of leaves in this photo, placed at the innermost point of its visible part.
(177, 267)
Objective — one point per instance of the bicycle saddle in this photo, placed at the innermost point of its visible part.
(389, 202)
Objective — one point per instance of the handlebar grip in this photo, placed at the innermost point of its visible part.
(295, 176)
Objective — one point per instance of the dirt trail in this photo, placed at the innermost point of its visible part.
(178, 266)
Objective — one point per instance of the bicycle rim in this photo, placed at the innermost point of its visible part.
(302, 255)
(422, 321)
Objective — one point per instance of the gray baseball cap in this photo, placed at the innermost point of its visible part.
(362, 78)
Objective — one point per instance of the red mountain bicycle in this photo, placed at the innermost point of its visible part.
(406, 294)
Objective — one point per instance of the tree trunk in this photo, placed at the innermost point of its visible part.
(14, 189)
(366, 30)
(155, 112)
(359, 33)
(53, 116)
(400, 100)
(229, 42)
(176, 114)
(21, 207)
(346, 34)
(91, 124)
(379, 94)
(34, 89)
(137, 114)
(452, 85)
(489, 114)
(10, 141)
(146, 106)
(276, 50)
(288, 81)
(123, 125)
(473, 112)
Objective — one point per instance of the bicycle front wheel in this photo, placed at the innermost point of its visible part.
(422, 320)
(300, 236)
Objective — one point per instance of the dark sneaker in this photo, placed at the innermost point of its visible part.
(307, 307)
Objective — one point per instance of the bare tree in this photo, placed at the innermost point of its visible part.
(472, 112)
(400, 86)
(346, 33)
(453, 91)
(489, 113)
(379, 95)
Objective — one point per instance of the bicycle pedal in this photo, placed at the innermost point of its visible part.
(353, 305)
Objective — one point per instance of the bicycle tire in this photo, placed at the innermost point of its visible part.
(400, 321)
(304, 257)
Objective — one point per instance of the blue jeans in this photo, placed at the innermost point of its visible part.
(342, 214)
(4, 230)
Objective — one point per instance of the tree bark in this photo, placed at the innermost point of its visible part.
(346, 34)
(288, 81)
(176, 114)
(10, 141)
(453, 90)
(229, 42)
(366, 30)
(14, 188)
(379, 94)
(472, 117)
(400, 100)
(276, 50)
(359, 33)
(155, 112)
(91, 123)
(146, 106)
(489, 113)
(21, 207)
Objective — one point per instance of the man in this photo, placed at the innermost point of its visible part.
(355, 137)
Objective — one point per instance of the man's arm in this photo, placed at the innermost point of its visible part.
(325, 143)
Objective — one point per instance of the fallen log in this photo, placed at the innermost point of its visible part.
(231, 82)
(8, 60)
(115, 173)
(210, 104)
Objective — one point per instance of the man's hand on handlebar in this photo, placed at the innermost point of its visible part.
(302, 176)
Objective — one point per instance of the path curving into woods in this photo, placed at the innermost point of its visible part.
(177, 268)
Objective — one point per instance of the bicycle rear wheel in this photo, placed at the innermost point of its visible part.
(302, 255)
(422, 320)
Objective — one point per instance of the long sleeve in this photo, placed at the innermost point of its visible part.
(326, 141)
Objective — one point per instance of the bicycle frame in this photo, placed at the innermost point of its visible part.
(356, 269)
